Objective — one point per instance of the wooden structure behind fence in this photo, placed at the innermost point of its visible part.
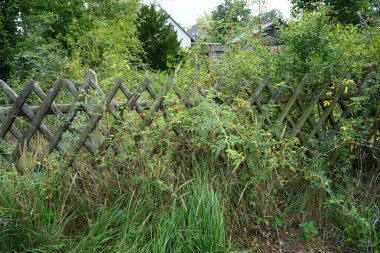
(284, 100)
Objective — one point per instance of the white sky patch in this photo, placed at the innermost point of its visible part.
(186, 12)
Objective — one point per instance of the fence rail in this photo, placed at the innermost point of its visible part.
(306, 123)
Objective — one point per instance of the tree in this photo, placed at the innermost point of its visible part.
(344, 10)
(228, 17)
(110, 45)
(93, 33)
(158, 38)
(8, 34)
(326, 50)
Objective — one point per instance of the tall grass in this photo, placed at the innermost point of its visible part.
(28, 217)
(57, 215)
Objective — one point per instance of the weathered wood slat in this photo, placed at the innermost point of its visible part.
(276, 101)
(189, 91)
(159, 104)
(151, 91)
(279, 93)
(258, 90)
(335, 128)
(65, 126)
(324, 117)
(64, 108)
(295, 95)
(37, 120)
(18, 104)
(129, 95)
(96, 87)
(330, 117)
(110, 136)
(92, 125)
(90, 146)
(73, 90)
(218, 84)
(31, 115)
(346, 110)
(89, 111)
(302, 120)
(41, 94)
(238, 87)
(133, 100)
(177, 92)
(276, 96)
(255, 101)
(18, 135)
(91, 77)
(302, 106)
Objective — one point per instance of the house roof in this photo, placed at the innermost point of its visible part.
(262, 27)
(200, 33)
(266, 25)
(192, 40)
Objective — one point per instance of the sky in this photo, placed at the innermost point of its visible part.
(186, 12)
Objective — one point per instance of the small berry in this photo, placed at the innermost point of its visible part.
(176, 145)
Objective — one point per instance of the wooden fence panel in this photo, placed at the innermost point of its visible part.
(296, 114)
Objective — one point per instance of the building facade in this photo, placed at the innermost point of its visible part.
(182, 36)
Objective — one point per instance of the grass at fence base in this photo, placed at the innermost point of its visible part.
(97, 209)
(56, 212)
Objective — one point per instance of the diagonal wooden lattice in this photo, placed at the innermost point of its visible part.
(299, 115)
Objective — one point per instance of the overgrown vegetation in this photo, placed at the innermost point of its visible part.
(210, 178)
(40, 39)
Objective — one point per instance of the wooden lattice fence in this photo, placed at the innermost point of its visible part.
(285, 100)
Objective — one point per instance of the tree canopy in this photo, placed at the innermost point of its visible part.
(344, 10)
(74, 30)
(229, 16)
(158, 38)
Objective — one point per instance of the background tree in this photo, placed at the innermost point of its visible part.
(344, 10)
(8, 34)
(228, 17)
(39, 38)
(158, 38)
